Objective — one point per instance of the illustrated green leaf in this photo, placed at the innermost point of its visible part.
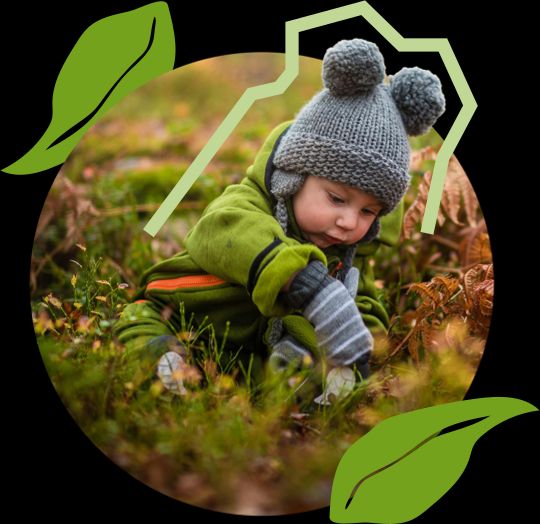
(405, 464)
(113, 57)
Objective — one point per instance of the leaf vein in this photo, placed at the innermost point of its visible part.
(355, 489)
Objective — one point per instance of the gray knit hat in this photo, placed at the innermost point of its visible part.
(355, 130)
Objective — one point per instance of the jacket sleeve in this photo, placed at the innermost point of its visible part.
(373, 312)
(239, 240)
(153, 312)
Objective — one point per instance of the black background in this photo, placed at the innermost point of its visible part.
(51, 467)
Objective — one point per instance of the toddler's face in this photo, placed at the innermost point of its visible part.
(330, 213)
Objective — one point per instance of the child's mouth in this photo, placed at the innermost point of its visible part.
(331, 239)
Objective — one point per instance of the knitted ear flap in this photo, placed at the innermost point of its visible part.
(418, 96)
(282, 185)
(372, 232)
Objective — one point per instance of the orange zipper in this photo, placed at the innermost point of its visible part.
(183, 282)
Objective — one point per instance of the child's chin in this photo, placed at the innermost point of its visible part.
(320, 241)
(322, 244)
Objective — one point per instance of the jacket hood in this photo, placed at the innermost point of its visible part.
(261, 169)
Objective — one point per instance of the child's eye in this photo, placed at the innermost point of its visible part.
(368, 211)
(336, 199)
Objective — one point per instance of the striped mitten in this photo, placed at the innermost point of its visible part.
(339, 328)
(288, 351)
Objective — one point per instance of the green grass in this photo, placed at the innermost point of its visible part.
(237, 426)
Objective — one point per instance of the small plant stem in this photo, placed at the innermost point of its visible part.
(47, 258)
(144, 208)
(445, 242)
(444, 269)
(121, 272)
(398, 347)
(306, 426)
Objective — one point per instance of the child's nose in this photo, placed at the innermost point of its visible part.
(347, 220)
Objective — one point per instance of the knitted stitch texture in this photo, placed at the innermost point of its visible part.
(355, 130)
(341, 333)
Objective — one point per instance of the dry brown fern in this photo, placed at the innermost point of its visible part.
(67, 201)
(467, 299)
(457, 188)
(479, 289)
(414, 214)
(458, 198)
(475, 248)
(435, 295)
(420, 156)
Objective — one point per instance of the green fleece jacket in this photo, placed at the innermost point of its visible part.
(237, 260)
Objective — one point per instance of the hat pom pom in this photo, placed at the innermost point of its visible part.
(352, 66)
(419, 98)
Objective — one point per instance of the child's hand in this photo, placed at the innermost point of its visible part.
(288, 351)
(158, 346)
(329, 305)
(339, 327)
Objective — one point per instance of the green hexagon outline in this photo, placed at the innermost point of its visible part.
(292, 30)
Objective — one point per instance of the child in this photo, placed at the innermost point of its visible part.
(284, 254)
